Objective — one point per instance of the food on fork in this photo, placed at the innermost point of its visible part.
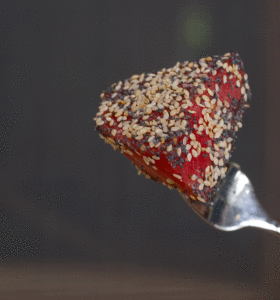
(178, 125)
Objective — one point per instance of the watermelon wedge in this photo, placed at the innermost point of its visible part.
(178, 125)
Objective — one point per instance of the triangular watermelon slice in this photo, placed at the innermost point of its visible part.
(178, 125)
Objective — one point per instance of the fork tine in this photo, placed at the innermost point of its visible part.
(235, 206)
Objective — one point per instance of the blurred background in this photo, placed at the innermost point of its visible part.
(69, 204)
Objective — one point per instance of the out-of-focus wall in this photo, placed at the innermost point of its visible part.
(271, 161)
(67, 196)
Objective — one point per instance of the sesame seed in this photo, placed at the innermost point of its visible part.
(179, 151)
(201, 199)
(158, 144)
(99, 122)
(166, 115)
(158, 131)
(219, 63)
(189, 156)
(224, 79)
(207, 183)
(194, 177)
(184, 123)
(170, 181)
(206, 98)
(146, 160)
(210, 92)
(207, 170)
(155, 157)
(216, 161)
(129, 152)
(194, 153)
(213, 184)
(192, 137)
(143, 131)
(223, 171)
(216, 147)
(218, 134)
(200, 180)
(177, 176)
(148, 111)
(173, 112)
(229, 140)
(187, 94)
(207, 104)
(214, 72)
(220, 103)
(222, 144)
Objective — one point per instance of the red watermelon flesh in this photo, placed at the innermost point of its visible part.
(178, 125)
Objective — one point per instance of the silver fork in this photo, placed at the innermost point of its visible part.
(235, 206)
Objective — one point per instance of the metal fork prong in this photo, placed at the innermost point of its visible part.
(235, 206)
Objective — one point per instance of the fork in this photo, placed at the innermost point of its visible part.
(235, 205)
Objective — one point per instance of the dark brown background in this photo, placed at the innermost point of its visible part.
(69, 204)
